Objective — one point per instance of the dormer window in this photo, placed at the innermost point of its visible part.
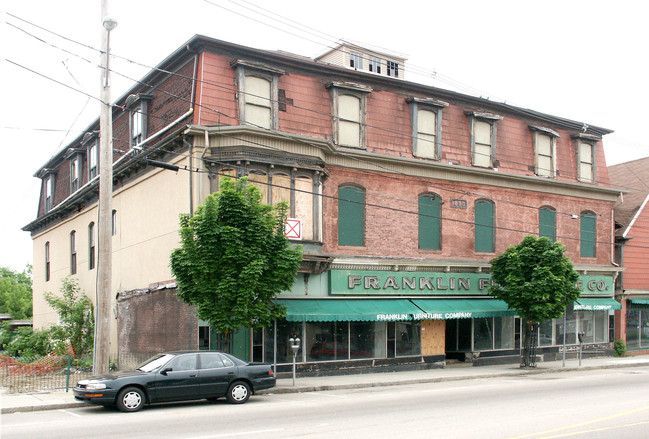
(375, 64)
(348, 109)
(257, 94)
(393, 69)
(545, 144)
(138, 107)
(482, 130)
(356, 60)
(586, 157)
(426, 125)
(49, 192)
(93, 160)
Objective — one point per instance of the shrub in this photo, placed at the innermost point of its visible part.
(619, 348)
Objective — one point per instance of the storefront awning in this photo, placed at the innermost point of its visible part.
(343, 310)
(596, 304)
(639, 304)
(442, 309)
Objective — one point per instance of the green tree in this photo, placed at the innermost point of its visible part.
(536, 279)
(16, 293)
(234, 258)
(76, 327)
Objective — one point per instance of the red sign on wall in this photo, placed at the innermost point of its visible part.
(293, 228)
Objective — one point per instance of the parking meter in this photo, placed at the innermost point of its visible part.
(580, 336)
(294, 343)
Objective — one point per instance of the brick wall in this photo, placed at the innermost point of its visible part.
(391, 219)
(150, 321)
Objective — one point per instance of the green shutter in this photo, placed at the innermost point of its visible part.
(351, 216)
(587, 235)
(484, 226)
(429, 222)
(547, 223)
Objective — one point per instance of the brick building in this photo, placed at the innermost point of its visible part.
(632, 238)
(404, 192)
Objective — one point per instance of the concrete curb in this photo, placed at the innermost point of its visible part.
(325, 387)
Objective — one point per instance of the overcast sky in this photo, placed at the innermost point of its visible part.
(582, 60)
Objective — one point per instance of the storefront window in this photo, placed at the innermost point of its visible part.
(464, 335)
(586, 325)
(601, 327)
(367, 340)
(483, 334)
(407, 338)
(326, 341)
(644, 332)
(503, 332)
(632, 329)
(545, 333)
(571, 328)
(285, 330)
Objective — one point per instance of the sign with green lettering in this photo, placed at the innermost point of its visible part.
(406, 283)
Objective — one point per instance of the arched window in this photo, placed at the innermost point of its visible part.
(587, 235)
(351, 215)
(547, 223)
(430, 215)
(484, 226)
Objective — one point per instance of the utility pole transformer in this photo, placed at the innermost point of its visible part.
(105, 252)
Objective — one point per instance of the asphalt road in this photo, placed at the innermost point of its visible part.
(609, 403)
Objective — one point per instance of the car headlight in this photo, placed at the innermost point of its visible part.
(92, 385)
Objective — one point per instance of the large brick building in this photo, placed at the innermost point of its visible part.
(404, 192)
(632, 238)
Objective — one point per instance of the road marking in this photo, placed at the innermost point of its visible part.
(581, 424)
(241, 433)
(70, 413)
(596, 430)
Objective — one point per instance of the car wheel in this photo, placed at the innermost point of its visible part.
(130, 399)
(238, 393)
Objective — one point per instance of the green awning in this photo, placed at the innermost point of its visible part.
(638, 304)
(443, 309)
(343, 310)
(596, 304)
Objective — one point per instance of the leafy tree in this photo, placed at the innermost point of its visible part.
(536, 279)
(76, 326)
(25, 341)
(16, 293)
(234, 258)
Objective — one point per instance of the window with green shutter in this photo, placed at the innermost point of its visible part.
(587, 235)
(351, 216)
(547, 223)
(429, 222)
(484, 226)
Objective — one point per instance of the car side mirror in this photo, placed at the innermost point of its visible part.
(165, 370)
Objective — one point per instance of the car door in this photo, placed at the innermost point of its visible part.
(178, 379)
(216, 373)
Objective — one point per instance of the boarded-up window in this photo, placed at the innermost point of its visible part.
(304, 205)
(281, 189)
(258, 101)
(482, 144)
(349, 122)
(351, 216)
(429, 222)
(484, 226)
(426, 134)
(587, 228)
(547, 223)
(260, 180)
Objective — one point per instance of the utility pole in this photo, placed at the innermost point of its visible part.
(105, 252)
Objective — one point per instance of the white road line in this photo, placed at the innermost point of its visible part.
(241, 433)
(70, 413)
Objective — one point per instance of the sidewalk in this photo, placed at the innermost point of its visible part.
(60, 399)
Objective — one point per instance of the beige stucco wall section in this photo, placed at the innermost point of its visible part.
(148, 212)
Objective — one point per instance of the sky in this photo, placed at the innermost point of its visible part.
(581, 60)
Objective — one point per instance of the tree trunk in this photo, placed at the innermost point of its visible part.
(528, 358)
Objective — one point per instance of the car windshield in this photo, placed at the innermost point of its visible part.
(154, 362)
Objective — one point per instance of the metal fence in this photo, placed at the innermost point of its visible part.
(52, 372)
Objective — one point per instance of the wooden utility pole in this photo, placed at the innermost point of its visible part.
(105, 252)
